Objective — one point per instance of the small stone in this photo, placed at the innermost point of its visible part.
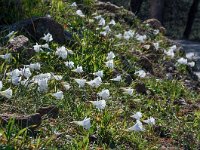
(141, 88)
(18, 43)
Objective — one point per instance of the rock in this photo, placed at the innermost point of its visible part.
(128, 79)
(113, 11)
(18, 43)
(146, 64)
(32, 121)
(50, 111)
(155, 24)
(141, 88)
(37, 27)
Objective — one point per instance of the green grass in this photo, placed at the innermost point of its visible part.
(175, 125)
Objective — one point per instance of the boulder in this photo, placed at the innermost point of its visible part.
(37, 27)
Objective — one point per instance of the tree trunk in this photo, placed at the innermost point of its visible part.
(191, 17)
(135, 6)
(156, 9)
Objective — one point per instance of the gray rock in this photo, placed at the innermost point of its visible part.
(37, 27)
(18, 43)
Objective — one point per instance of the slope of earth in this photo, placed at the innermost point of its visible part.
(115, 83)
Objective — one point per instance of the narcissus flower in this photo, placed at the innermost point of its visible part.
(150, 121)
(58, 95)
(57, 77)
(191, 64)
(81, 82)
(14, 73)
(34, 66)
(80, 13)
(137, 127)
(47, 37)
(140, 73)
(26, 72)
(137, 115)
(141, 38)
(104, 94)
(98, 73)
(128, 91)
(190, 55)
(7, 93)
(42, 85)
(95, 83)
(101, 104)
(128, 34)
(110, 64)
(119, 36)
(102, 22)
(37, 48)
(61, 52)
(69, 64)
(66, 86)
(118, 78)
(79, 69)
(112, 22)
(1, 85)
(74, 4)
(84, 123)
(182, 61)
(110, 56)
(16, 80)
(6, 56)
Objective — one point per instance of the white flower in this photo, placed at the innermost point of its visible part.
(74, 4)
(170, 53)
(98, 73)
(37, 48)
(128, 34)
(1, 85)
(34, 66)
(150, 121)
(128, 91)
(25, 82)
(10, 34)
(26, 72)
(42, 85)
(98, 17)
(102, 22)
(155, 32)
(16, 80)
(110, 64)
(47, 37)
(137, 115)
(61, 52)
(104, 94)
(190, 55)
(15, 73)
(79, 69)
(69, 64)
(95, 83)
(6, 56)
(45, 46)
(66, 85)
(7, 93)
(112, 22)
(70, 52)
(140, 73)
(156, 45)
(141, 38)
(104, 33)
(81, 82)
(84, 123)
(58, 77)
(58, 95)
(101, 104)
(182, 61)
(110, 56)
(118, 78)
(119, 36)
(80, 13)
(137, 127)
(191, 64)
(107, 29)
(172, 48)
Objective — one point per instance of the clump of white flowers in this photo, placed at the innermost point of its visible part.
(104, 94)
(101, 104)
